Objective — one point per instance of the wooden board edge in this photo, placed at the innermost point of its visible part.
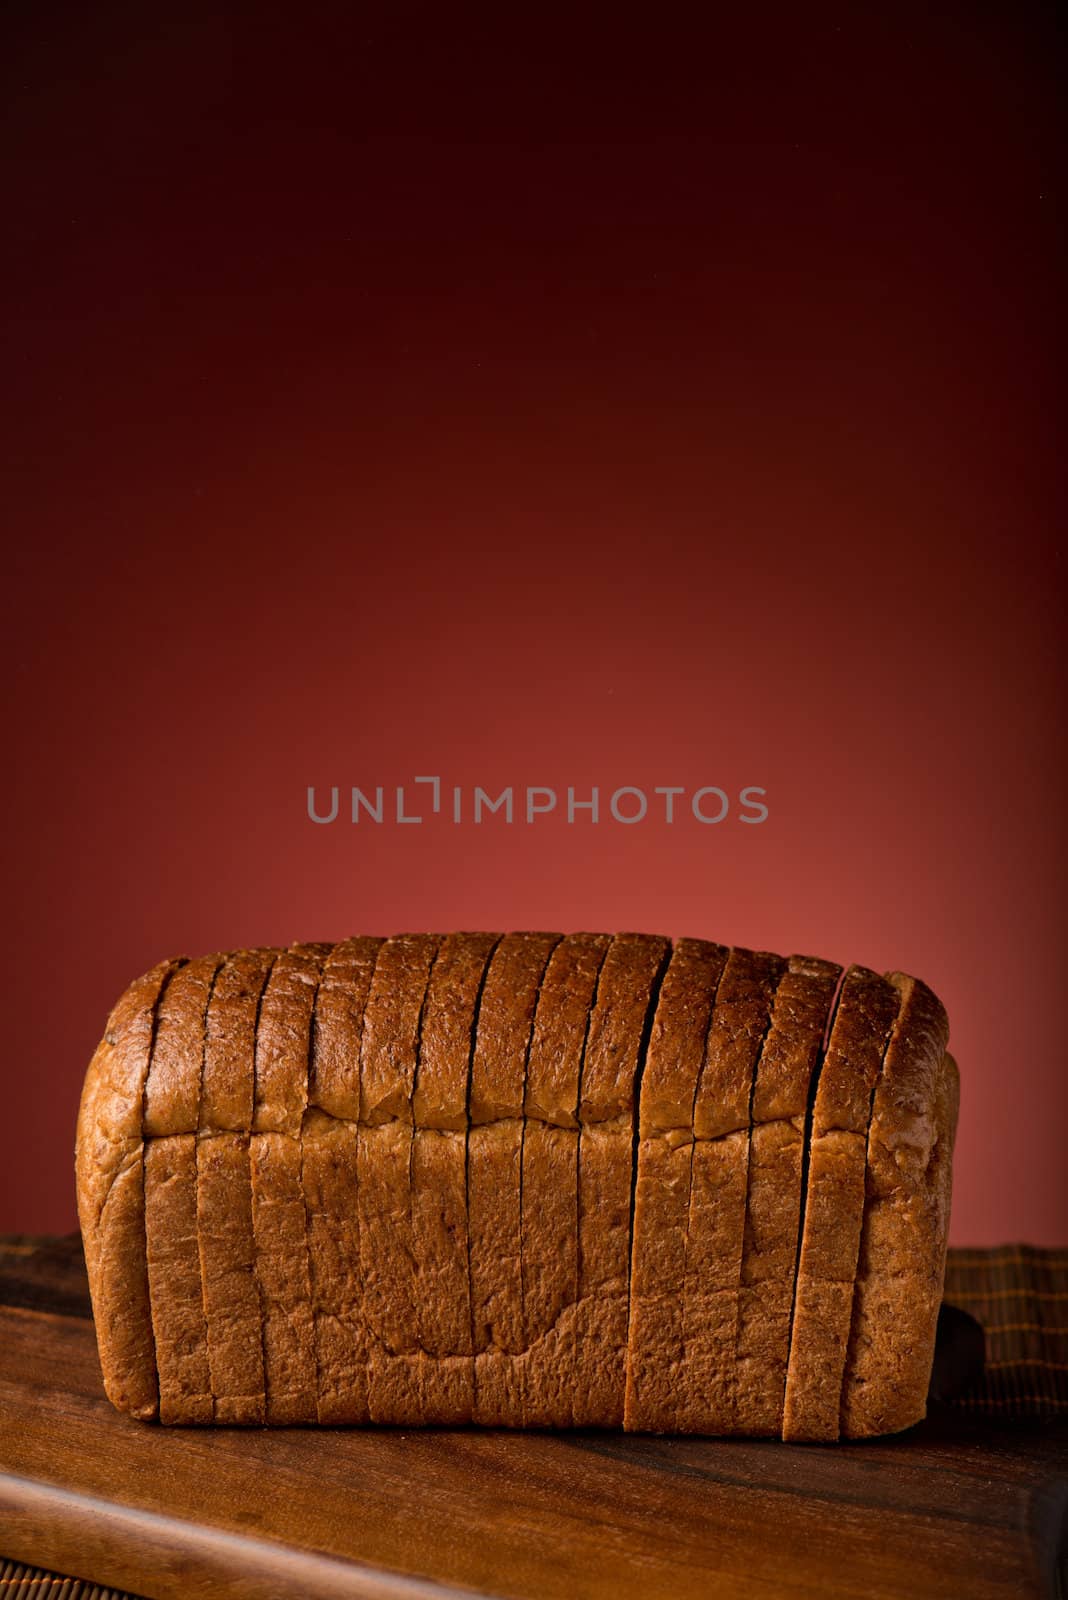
(169, 1558)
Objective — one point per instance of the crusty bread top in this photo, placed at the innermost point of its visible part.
(561, 1024)
(625, 984)
(505, 1024)
(439, 1099)
(739, 1022)
(390, 1038)
(337, 1026)
(867, 1006)
(112, 1103)
(172, 1087)
(794, 1038)
(678, 1036)
(904, 1125)
(226, 1099)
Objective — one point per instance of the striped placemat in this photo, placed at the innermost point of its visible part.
(19, 1582)
(1019, 1294)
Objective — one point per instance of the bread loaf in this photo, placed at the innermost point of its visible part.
(527, 1180)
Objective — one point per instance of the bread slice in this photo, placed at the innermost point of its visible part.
(227, 1087)
(224, 1189)
(109, 1177)
(549, 1180)
(902, 1256)
(676, 1051)
(279, 1217)
(834, 1204)
(337, 1027)
(329, 1175)
(627, 991)
(716, 1224)
(388, 1055)
(494, 1168)
(784, 1072)
(172, 1111)
(442, 1291)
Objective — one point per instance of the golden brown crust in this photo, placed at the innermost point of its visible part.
(283, 1039)
(172, 1088)
(109, 1179)
(716, 1222)
(549, 1179)
(228, 1077)
(279, 1217)
(834, 1205)
(329, 1178)
(172, 1111)
(224, 1189)
(179, 1325)
(494, 1168)
(773, 1200)
(442, 1295)
(440, 1095)
(120, 1296)
(337, 1026)
(902, 1253)
(330, 1175)
(676, 1051)
(627, 987)
(388, 1055)
(227, 1275)
(110, 1116)
(341, 1142)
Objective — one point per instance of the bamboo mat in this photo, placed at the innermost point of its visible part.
(18, 1582)
(1019, 1295)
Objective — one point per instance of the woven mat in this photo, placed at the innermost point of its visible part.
(18, 1582)
(1020, 1296)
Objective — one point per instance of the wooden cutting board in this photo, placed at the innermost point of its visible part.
(955, 1508)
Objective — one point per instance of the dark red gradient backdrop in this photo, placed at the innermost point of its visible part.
(528, 408)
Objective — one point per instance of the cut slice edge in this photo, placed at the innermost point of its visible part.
(902, 1250)
(788, 1060)
(833, 1203)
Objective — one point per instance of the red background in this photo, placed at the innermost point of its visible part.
(537, 406)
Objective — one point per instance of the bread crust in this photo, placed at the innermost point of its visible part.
(410, 1181)
(172, 1110)
(549, 1187)
(110, 1186)
(388, 1055)
(329, 1177)
(494, 1171)
(224, 1189)
(337, 1026)
(902, 1255)
(677, 1044)
(627, 989)
(834, 1205)
(716, 1222)
(442, 1290)
(279, 1214)
(788, 1059)
(227, 1087)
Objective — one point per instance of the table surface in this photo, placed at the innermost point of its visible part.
(961, 1505)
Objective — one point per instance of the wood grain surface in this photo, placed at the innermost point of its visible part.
(957, 1507)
